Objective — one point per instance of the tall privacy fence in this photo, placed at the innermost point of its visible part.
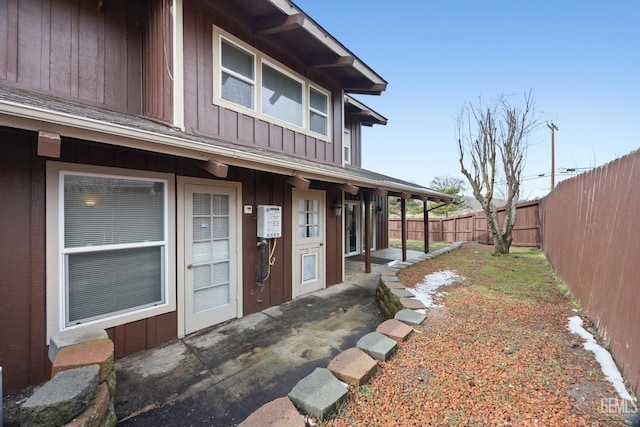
(589, 230)
(473, 227)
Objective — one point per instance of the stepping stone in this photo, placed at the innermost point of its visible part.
(387, 273)
(412, 303)
(395, 329)
(402, 293)
(280, 412)
(393, 285)
(390, 279)
(410, 317)
(377, 345)
(318, 394)
(353, 366)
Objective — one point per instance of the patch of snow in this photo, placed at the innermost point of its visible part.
(392, 263)
(426, 290)
(609, 368)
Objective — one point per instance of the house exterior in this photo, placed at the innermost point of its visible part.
(167, 165)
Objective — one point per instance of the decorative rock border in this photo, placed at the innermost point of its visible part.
(321, 392)
(82, 388)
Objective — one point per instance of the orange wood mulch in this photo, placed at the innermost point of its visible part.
(487, 358)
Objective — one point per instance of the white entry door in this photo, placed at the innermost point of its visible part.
(210, 273)
(308, 241)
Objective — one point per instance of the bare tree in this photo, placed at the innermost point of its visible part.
(496, 139)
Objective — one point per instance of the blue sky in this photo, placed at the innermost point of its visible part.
(581, 59)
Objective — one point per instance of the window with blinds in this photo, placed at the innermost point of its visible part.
(115, 245)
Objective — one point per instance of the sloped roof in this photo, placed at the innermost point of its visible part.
(28, 110)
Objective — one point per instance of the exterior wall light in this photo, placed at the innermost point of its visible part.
(337, 208)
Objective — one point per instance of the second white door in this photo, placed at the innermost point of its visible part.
(308, 241)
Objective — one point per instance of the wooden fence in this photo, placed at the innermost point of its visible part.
(473, 227)
(590, 235)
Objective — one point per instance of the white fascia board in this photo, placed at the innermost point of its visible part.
(35, 119)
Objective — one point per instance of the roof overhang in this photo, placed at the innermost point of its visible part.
(288, 27)
(365, 115)
(134, 132)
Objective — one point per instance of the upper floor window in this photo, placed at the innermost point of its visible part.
(248, 81)
(238, 74)
(281, 96)
(318, 111)
(346, 146)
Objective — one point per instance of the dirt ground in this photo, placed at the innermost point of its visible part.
(498, 353)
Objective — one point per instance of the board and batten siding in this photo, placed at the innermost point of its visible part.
(23, 349)
(72, 50)
(204, 118)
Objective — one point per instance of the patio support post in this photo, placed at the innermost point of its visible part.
(426, 226)
(367, 233)
(403, 217)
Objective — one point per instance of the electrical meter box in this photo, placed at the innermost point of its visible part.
(269, 221)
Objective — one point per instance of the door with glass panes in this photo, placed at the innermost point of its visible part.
(308, 241)
(210, 255)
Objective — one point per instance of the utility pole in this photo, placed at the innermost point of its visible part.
(553, 128)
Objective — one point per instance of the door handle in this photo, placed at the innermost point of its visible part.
(189, 266)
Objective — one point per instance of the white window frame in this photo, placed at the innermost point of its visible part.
(56, 287)
(253, 82)
(324, 114)
(346, 147)
(260, 58)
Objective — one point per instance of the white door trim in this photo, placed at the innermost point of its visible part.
(181, 264)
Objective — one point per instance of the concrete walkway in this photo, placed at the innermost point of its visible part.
(219, 376)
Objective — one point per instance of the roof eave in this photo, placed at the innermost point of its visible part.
(376, 83)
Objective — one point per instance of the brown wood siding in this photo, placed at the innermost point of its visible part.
(22, 245)
(71, 50)
(202, 117)
(158, 61)
(23, 351)
(381, 219)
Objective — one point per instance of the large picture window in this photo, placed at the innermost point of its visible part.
(248, 81)
(109, 260)
(281, 96)
(114, 245)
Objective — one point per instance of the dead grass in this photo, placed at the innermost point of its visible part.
(498, 354)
